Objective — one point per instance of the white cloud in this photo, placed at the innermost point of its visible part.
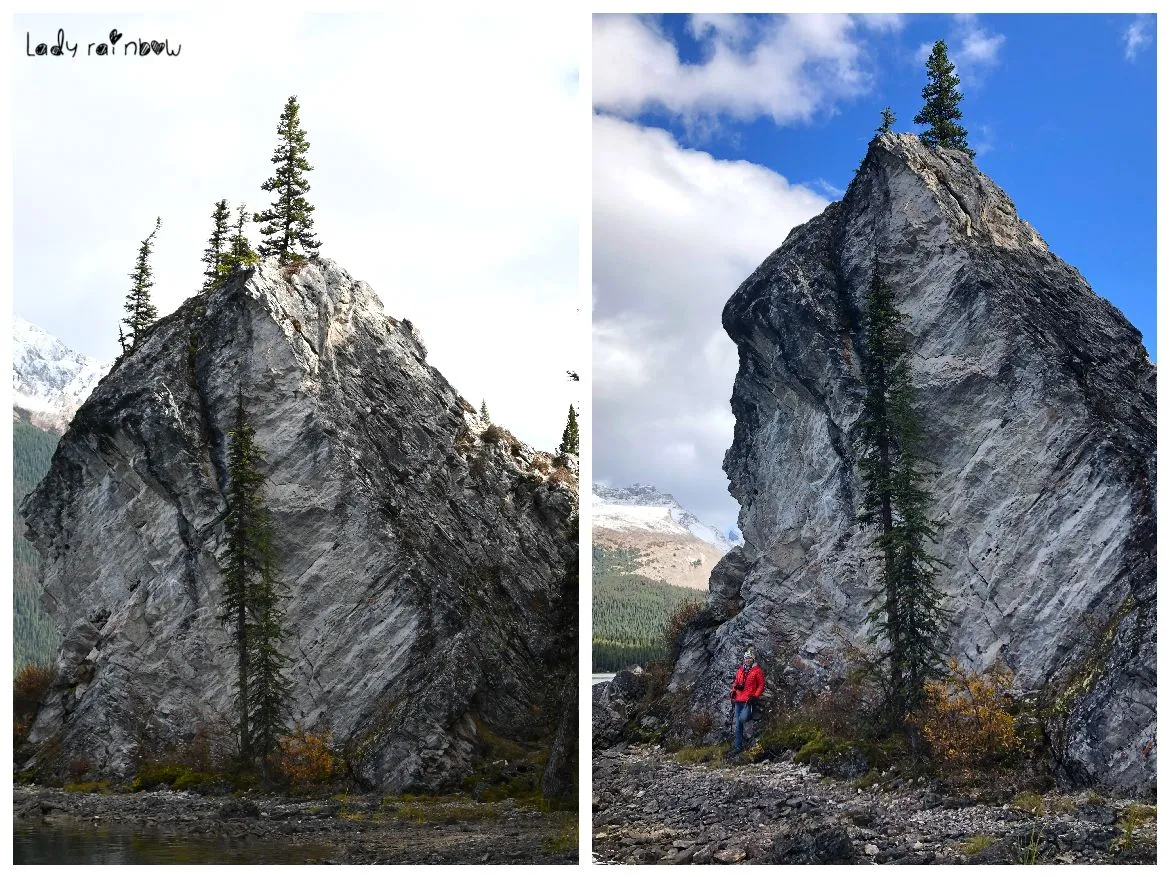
(785, 67)
(1137, 36)
(445, 153)
(675, 231)
(971, 48)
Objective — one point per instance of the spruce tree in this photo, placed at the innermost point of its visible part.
(570, 438)
(941, 111)
(239, 252)
(289, 221)
(216, 245)
(907, 615)
(888, 119)
(252, 597)
(140, 311)
(483, 411)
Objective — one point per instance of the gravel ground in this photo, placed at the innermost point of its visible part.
(649, 808)
(358, 829)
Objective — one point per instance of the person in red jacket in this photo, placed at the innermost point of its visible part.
(745, 691)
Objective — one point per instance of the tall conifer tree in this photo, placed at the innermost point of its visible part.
(239, 252)
(888, 119)
(288, 229)
(941, 111)
(216, 245)
(140, 310)
(570, 438)
(907, 614)
(252, 597)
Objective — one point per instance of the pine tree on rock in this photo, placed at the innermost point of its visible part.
(140, 311)
(888, 119)
(907, 616)
(251, 601)
(570, 438)
(941, 111)
(483, 411)
(216, 245)
(239, 252)
(288, 229)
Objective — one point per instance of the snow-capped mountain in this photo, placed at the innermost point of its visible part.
(642, 507)
(49, 381)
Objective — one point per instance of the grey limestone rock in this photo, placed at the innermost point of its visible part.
(1038, 401)
(432, 568)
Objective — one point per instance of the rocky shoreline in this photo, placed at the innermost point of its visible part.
(650, 808)
(345, 829)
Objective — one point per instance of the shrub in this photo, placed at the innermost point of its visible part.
(306, 758)
(966, 720)
(976, 844)
(1029, 801)
(492, 434)
(154, 775)
(702, 754)
(28, 689)
(676, 625)
(78, 767)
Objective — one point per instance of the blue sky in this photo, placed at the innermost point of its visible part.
(1060, 108)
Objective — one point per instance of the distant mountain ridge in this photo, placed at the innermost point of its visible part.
(49, 380)
(643, 507)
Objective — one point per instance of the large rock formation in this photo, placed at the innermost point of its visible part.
(431, 561)
(1038, 401)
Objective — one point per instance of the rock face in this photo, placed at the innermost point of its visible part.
(1039, 407)
(427, 557)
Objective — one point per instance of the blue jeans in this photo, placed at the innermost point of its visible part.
(743, 712)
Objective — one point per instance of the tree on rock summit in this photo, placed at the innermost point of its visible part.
(216, 244)
(288, 229)
(888, 119)
(570, 438)
(239, 253)
(140, 310)
(941, 111)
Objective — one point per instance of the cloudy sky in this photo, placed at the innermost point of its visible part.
(446, 154)
(714, 134)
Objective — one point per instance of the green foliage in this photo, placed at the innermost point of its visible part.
(630, 611)
(888, 119)
(483, 411)
(976, 844)
(252, 598)
(907, 609)
(35, 638)
(217, 245)
(140, 310)
(941, 111)
(240, 253)
(702, 754)
(289, 221)
(570, 438)
(98, 787)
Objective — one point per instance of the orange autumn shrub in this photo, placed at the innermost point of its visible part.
(306, 757)
(966, 719)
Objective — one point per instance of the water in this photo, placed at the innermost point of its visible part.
(36, 844)
(602, 677)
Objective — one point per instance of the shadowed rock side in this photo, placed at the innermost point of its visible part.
(427, 563)
(1038, 401)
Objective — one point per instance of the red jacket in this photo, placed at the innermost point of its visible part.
(748, 685)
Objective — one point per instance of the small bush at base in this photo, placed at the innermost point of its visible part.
(976, 844)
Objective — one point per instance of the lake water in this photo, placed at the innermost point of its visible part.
(35, 844)
(602, 677)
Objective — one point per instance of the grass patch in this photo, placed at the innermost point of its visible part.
(562, 841)
(702, 754)
(101, 787)
(1029, 801)
(976, 844)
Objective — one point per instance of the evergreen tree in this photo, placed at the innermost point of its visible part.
(216, 245)
(483, 412)
(289, 221)
(122, 338)
(907, 612)
(941, 111)
(239, 252)
(251, 602)
(888, 119)
(570, 438)
(140, 311)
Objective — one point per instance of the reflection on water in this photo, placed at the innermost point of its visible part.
(35, 844)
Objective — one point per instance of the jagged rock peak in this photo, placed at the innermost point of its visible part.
(1038, 401)
(431, 560)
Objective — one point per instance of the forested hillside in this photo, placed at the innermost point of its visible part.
(629, 611)
(34, 637)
